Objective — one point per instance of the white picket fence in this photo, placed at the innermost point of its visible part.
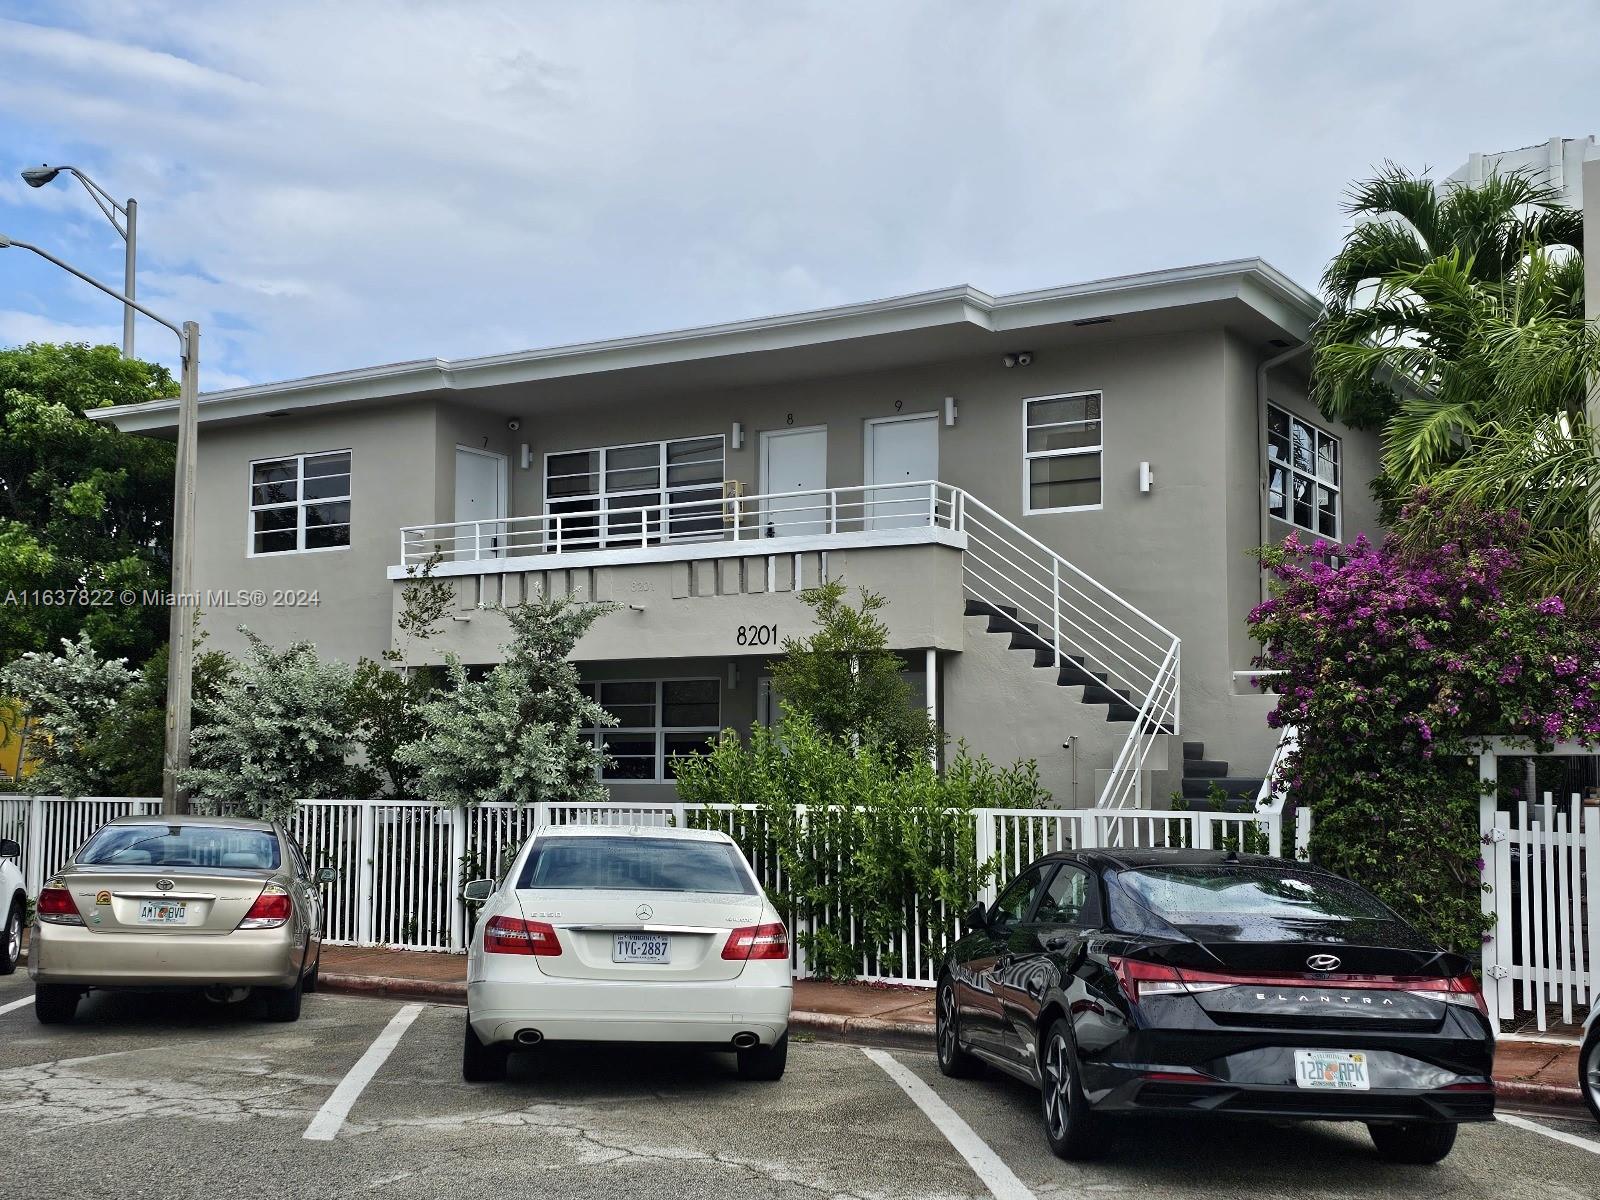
(402, 864)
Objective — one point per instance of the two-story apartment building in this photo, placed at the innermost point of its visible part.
(1056, 491)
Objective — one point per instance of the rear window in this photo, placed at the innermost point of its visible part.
(182, 846)
(1224, 894)
(636, 864)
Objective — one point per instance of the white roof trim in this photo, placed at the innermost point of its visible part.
(1252, 280)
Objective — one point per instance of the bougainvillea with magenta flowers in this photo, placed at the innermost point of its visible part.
(1393, 661)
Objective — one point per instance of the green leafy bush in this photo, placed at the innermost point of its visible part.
(854, 843)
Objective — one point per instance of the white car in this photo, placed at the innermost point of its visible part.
(626, 934)
(13, 905)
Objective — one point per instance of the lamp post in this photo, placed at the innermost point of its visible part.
(180, 659)
(128, 227)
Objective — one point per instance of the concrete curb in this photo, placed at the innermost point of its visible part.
(911, 1035)
(1518, 1091)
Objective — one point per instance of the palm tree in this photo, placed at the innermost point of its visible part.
(1406, 234)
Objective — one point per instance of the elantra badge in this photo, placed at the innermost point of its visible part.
(1323, 962)
(644, 912)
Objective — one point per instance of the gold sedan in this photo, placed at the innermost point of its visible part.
(218, 903)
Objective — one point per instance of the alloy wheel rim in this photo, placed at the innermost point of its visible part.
(1057, 1087)
(14, 938)
(947, 1026)
(1591, 1072)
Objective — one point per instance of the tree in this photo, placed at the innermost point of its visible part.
(1412, 245)
(846, 680)
(64, 698)
(84, 509)
(517, 733)
(277, 730)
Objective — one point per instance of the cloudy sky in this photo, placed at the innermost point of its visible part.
(328, 185)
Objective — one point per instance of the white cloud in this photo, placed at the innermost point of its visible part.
(326, 186)
(18, 328)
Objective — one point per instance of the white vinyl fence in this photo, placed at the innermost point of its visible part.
(402, 864)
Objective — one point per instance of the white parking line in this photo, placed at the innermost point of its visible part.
(1559, 1135)
(330, 1117)
(985, 1163)
(15, 1004)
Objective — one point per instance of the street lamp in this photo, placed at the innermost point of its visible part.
(128, 227)
(180, 660)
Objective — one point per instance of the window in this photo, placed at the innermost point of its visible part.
(181, 846)
(1069, 900)
(1062, 451)
(1236, 895)
(636, 864)
(1015, 901)
(614, 495)
(658, 722)
(1302, 474)
(301, 502)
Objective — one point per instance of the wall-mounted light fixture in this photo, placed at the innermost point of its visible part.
(738, 435)
(526, 456)
(1147, 477)
(949, 410)
(733, 676)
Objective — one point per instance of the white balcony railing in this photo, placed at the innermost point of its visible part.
(1074, 615)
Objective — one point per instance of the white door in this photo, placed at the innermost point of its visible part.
(902, 452)
(795, 460)
(480, 504)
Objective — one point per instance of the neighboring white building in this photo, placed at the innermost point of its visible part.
(1557, 162)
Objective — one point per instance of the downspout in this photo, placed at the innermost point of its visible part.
(1261, 441)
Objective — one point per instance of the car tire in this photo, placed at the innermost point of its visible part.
(481, 1063)
(55, 1004)
(1589, 1069)
(1416, 1142)
(11, 940)
(953, 1060)
(315, 978)
(1070, 1125)
(283, 1004)
(765, 1063)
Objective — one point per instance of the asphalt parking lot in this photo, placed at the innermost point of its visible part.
(167, 1097)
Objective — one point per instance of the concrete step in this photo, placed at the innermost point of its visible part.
(1231, 785)
(1194, 750)
(1212, 768)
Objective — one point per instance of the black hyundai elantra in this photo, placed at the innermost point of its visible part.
(1178, 981)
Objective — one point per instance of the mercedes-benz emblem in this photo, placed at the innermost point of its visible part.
(644, 912)
(1323, 962)
(166, 885)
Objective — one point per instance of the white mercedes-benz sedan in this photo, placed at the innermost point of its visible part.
(626, 934)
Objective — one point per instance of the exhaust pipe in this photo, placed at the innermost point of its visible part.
(745, 1040)
(529, 1037)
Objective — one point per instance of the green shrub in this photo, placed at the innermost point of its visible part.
(855, 843)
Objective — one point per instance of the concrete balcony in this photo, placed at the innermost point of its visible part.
(700, 578)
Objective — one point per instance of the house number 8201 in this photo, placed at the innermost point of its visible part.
(758, 635)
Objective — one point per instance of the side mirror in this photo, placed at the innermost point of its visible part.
(478, 889)
(9, 849)
(977, 918)
(327, 874)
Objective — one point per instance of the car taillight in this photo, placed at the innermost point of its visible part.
(512, 935)
(271, 909)
(55, 906)
(757, 941)
(1462, 990)
(1139, 980)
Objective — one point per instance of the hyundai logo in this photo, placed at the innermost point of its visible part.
(1323, 962)
(644, 912)
(166, 885)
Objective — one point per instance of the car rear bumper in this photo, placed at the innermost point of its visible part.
(1281, 1103)
(75, 955)
(608, 1011)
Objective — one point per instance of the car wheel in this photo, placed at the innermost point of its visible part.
(11, 940)
(55, 1004)
(1069, 1124)
(480, 1063)
(765, 1062)
(1417, 1142)
(1589, 1069)
(283, 1004)
(313, 979)
(953, 1060)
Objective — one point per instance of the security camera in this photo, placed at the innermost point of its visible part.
(1021, 358)
(514, 424)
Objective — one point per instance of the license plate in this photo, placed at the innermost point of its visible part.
(641, 948)
(1331, 1070)
(163, 912)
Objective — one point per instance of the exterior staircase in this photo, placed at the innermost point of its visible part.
(1203, 777)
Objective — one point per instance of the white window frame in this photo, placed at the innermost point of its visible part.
(1029, 456)
(300, 547)
(658, 495)
(1319, 435)
(658, 730)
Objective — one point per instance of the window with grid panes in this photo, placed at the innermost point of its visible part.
(620, 495)
(1303, 474)
(1062, 452)
(658, 722)
(300, 502)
